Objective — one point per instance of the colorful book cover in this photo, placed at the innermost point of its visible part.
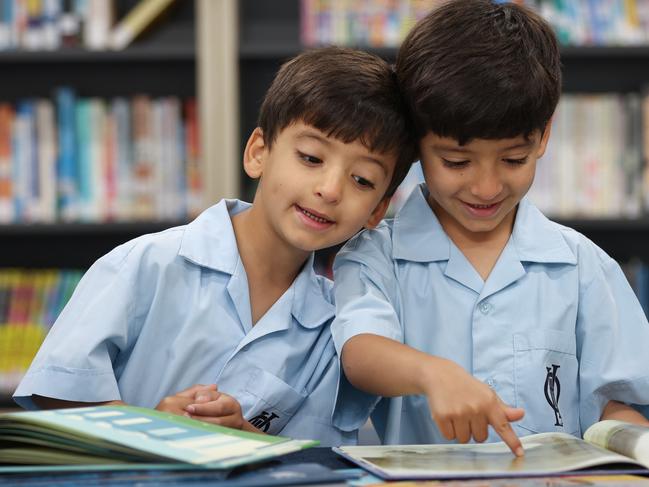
(118, 435)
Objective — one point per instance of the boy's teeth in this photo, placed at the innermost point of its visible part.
(313, 217)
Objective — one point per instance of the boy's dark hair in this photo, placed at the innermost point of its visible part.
(475, 69)
(347, 94)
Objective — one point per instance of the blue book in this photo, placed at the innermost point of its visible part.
(67, 163)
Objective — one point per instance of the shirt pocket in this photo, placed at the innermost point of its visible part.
(268, 402)
(546, 374)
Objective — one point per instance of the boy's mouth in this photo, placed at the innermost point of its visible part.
(315, 216)
(482, 210)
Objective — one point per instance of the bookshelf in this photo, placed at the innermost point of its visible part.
(176, 58)
(190, 52)
(270, 34)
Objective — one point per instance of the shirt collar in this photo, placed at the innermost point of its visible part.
(312, 297)
(209, 240)
(538, 239)
(418, 236)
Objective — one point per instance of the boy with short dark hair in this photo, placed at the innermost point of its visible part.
(231, 298)
(470, 305)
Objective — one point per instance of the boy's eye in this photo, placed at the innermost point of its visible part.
(454, 164)
(516, 162)
(363, 182)
(307, 158)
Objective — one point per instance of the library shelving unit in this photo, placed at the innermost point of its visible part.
(270, 34)
(175, 58)
(191, 51)
(162, 63)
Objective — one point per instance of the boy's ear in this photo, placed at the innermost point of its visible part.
(254, 154)
(378, 213)
(545, 137)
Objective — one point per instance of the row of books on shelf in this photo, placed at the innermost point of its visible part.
(30, 302)
(89, 159)
(594, 165)
(385, 23)
(54, 24)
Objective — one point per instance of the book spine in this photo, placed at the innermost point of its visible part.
(143, 162)
(99, 19)
(124, 158)
(6, 154)
(136, 21)
(193, 167)
(46, 134)
(67, 163)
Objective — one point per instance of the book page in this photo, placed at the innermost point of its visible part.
(626, 439)
(545, 453)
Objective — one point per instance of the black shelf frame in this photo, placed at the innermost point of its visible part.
(78, 245)
(68, 245)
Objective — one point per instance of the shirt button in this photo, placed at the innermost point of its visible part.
(491, 383)
(484, 307)
(245, 348)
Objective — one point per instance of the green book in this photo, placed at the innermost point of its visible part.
(127, 437)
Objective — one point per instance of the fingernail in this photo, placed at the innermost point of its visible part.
(201, 398)
(519, 451)
(187, 415)
(190, 409)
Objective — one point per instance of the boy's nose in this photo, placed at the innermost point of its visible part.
(487, 186)
(330, 189)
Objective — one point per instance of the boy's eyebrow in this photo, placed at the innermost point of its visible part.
(464, 150)
(307, 134)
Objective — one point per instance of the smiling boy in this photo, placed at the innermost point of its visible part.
(470, 309)
(232, 298)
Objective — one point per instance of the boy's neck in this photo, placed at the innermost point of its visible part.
(482, 249)
(271, 265)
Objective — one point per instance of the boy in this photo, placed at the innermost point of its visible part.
(470, 300)
(232, 298)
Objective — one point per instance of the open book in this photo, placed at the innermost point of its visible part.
(613, 444)
(129, 438)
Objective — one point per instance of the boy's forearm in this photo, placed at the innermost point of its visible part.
(385, 367)
(622, 412)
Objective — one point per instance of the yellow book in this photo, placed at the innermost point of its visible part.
(136, 21)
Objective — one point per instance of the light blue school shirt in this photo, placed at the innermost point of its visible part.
(555, 329)
(169, 310)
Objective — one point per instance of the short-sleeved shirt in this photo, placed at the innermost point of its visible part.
(169, 310)
(555, 329)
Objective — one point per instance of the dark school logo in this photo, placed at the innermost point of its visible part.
(262, 421)
(552, 391)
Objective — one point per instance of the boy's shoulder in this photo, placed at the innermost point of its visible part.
(375, 241)
(581, 251)
(207, 241)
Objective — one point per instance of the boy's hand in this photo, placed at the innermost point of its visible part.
(463, 407)
(177, 403)
(216, 407)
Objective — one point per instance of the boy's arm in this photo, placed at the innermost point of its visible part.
(461, 406)
(622, 412)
